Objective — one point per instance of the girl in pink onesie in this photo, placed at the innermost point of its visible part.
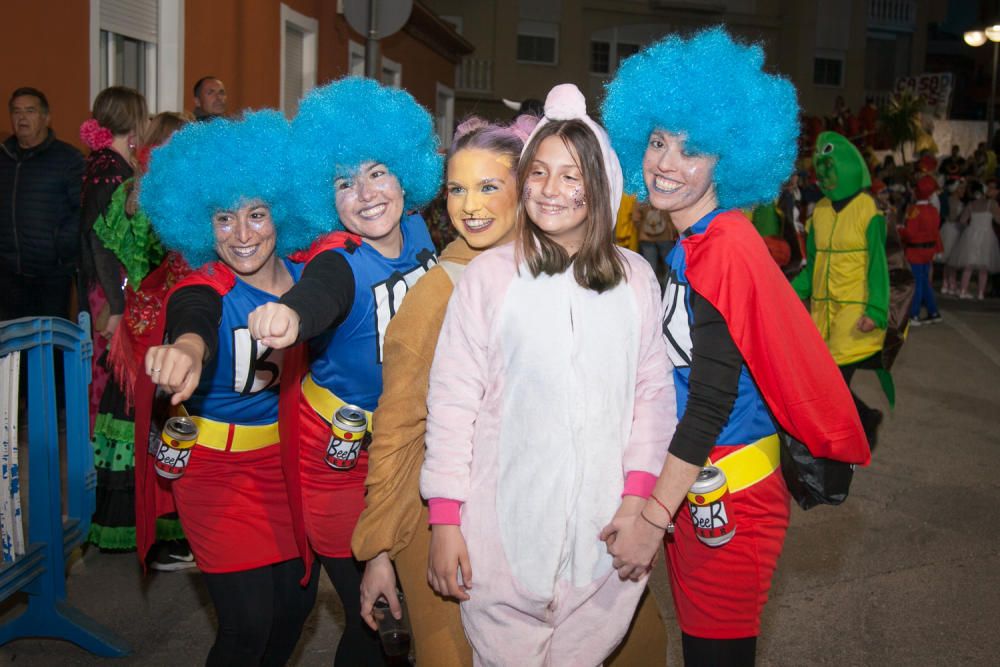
(550, 411)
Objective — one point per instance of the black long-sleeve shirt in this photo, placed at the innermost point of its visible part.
(716, 363)
(196, 310)
(323, 296)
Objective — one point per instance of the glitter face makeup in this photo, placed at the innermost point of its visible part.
(370, 204)
(245, 238)
(554, 196)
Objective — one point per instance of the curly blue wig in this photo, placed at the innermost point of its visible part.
(219, 165)
(351, 121)
(712, 90)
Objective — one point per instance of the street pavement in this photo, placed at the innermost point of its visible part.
(904, 573)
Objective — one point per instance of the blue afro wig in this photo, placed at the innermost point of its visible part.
(715, 92)
(219, 165)
(351, 121)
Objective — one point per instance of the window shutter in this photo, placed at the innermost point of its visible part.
(294, 65)
(137, 19)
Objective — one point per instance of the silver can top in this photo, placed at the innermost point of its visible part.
(351, 416)
(709, 479)
(181, 427)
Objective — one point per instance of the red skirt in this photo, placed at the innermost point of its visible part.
(332, 499)
(719, 592)
(234, 509)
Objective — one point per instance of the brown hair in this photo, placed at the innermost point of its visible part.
(162, 125)
(598, 264)
(120, 109)
(160, 128)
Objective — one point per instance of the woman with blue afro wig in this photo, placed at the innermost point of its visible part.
(700, 128)
(364, 154)
(220, 165)
(353, 122)
(217, 191)
(714, 92)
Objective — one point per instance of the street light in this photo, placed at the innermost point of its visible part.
(978, 38)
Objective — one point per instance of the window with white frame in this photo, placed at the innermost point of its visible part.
(538, 42)
(299, 52)
(355, 59)
(444, 114)
(138, 43)
(392, 73)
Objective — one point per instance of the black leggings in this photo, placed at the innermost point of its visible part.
(359, 646)
(701, 652)
(261, 613)
(864, 411)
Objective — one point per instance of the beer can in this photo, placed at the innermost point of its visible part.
(347, 435)
(178, 437)
(708, 501)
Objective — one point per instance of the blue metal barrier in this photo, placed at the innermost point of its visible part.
(40, 572)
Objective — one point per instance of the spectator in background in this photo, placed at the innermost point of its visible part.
(926, 166)
(626, 231)
(789, 207)
(977, 249)
(209, 98)
(951, 231)
(883, 200)
(953, 165)
(119, 118)
(886, 172)
(40, 216)
(868, 120)
(150, 272)
(921, 236)
(656, 236)
(984, 163)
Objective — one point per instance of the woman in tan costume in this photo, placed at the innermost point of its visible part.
(482, 205)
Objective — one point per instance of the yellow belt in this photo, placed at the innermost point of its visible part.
(324, 401)
(749, 465)
(233, 437)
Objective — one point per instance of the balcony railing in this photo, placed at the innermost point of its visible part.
(475, 75)
(896, 15)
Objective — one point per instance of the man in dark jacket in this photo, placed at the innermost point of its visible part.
(40, 179)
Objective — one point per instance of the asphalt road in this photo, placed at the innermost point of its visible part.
(904, 573)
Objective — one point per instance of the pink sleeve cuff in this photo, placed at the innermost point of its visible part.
(445, 511)
(639, 483)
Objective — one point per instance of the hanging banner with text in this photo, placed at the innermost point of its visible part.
(935, 89)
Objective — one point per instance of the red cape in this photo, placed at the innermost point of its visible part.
(730, 266)
(153, 497)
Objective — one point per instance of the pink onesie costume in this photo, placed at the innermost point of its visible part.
(547, 402)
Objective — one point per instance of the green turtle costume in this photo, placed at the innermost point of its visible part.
(847, 274)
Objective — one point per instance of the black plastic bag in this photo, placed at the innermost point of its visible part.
(813, 481)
